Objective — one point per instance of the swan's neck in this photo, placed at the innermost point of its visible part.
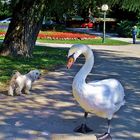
(87, 67)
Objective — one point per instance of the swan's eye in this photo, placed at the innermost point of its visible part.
(72, 55)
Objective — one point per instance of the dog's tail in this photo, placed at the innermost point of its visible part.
(16, 74)
(13, 84)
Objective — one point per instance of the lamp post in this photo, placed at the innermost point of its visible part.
(104, 8)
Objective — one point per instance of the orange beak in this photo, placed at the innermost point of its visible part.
(70, 62)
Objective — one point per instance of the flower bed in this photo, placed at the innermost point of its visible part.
(2, 34)
(65, 36)
(61, 35)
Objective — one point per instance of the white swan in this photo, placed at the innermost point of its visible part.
(102, 98)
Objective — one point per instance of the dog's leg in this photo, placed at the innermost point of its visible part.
(18, 91)
(28, 88)
(27, 91)
(11, 91)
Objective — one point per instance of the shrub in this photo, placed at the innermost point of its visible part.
(46, 27)
(138, 26)
(124, 28)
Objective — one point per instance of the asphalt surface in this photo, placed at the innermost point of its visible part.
(109, 35)
(51, 113)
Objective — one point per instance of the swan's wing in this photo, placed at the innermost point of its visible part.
(108, 90)
(100, 99)
(92, 83)
(109, 81)
(98, 93)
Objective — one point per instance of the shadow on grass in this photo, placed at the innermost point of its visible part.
(44, 58)
(51, 108)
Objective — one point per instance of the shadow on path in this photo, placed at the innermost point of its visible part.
(51, 109)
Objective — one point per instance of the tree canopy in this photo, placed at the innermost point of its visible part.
(130, 5)
(81, 7)
(27, 17)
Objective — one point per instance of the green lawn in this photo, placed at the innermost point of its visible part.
(89, 41)
(44, 58)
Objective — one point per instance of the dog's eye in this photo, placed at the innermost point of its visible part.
(36, 73)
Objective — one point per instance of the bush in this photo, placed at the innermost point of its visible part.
(124, 28)
(46, 27)
(138, 26)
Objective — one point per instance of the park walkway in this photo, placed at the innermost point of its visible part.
(109, 35)
(51, 113)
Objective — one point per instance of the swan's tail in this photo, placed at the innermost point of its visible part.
(123, 102)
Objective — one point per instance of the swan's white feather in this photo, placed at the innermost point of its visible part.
(103, 97)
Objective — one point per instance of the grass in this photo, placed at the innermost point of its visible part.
(44, 59)
(89, 41)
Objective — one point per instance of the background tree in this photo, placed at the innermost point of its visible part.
(27, 17)
(130, 5)
(24, 27)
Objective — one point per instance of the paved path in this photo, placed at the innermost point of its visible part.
(51, 113)
(110, 35)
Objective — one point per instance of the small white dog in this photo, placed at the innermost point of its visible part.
(23, 83)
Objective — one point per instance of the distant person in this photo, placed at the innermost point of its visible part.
(134, 34)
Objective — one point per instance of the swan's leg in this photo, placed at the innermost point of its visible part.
(108, 122)
(106, 136)
(83, 127)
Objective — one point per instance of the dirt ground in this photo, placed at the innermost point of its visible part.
(51, 113)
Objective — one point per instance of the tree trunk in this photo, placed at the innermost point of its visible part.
(24, 27)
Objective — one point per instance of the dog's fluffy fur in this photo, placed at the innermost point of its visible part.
(22, 83)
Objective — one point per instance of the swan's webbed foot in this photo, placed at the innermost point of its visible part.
(105, 136)
(83, 128)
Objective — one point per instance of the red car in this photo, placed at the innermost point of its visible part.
(87, 25)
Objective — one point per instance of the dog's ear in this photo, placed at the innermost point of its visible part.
(34, 74)
(30, 74)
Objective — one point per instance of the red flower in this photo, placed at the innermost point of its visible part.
(61, 35)
(64, 35)
(2, 33)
